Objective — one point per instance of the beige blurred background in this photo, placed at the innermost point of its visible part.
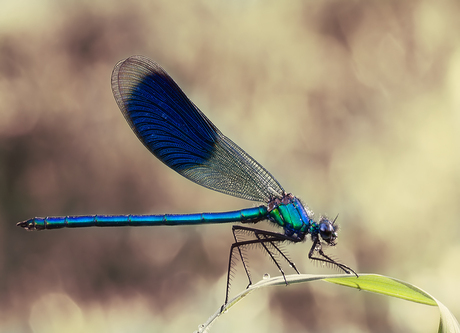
(354, 106)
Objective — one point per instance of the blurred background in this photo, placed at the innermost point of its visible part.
(354, 106)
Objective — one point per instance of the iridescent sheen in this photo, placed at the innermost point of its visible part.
(183, 138)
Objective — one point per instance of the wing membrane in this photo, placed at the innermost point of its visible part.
(182, 137)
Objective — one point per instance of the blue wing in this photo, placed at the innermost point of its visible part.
(182, 137)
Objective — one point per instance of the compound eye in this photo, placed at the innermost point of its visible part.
(327, 231)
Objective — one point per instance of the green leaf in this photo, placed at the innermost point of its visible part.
(368, 282)
(386, 286)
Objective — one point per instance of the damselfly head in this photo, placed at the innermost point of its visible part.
(328, 231)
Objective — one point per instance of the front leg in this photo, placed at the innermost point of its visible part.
(316, 247)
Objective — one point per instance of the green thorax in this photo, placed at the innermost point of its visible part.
(290, 214)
